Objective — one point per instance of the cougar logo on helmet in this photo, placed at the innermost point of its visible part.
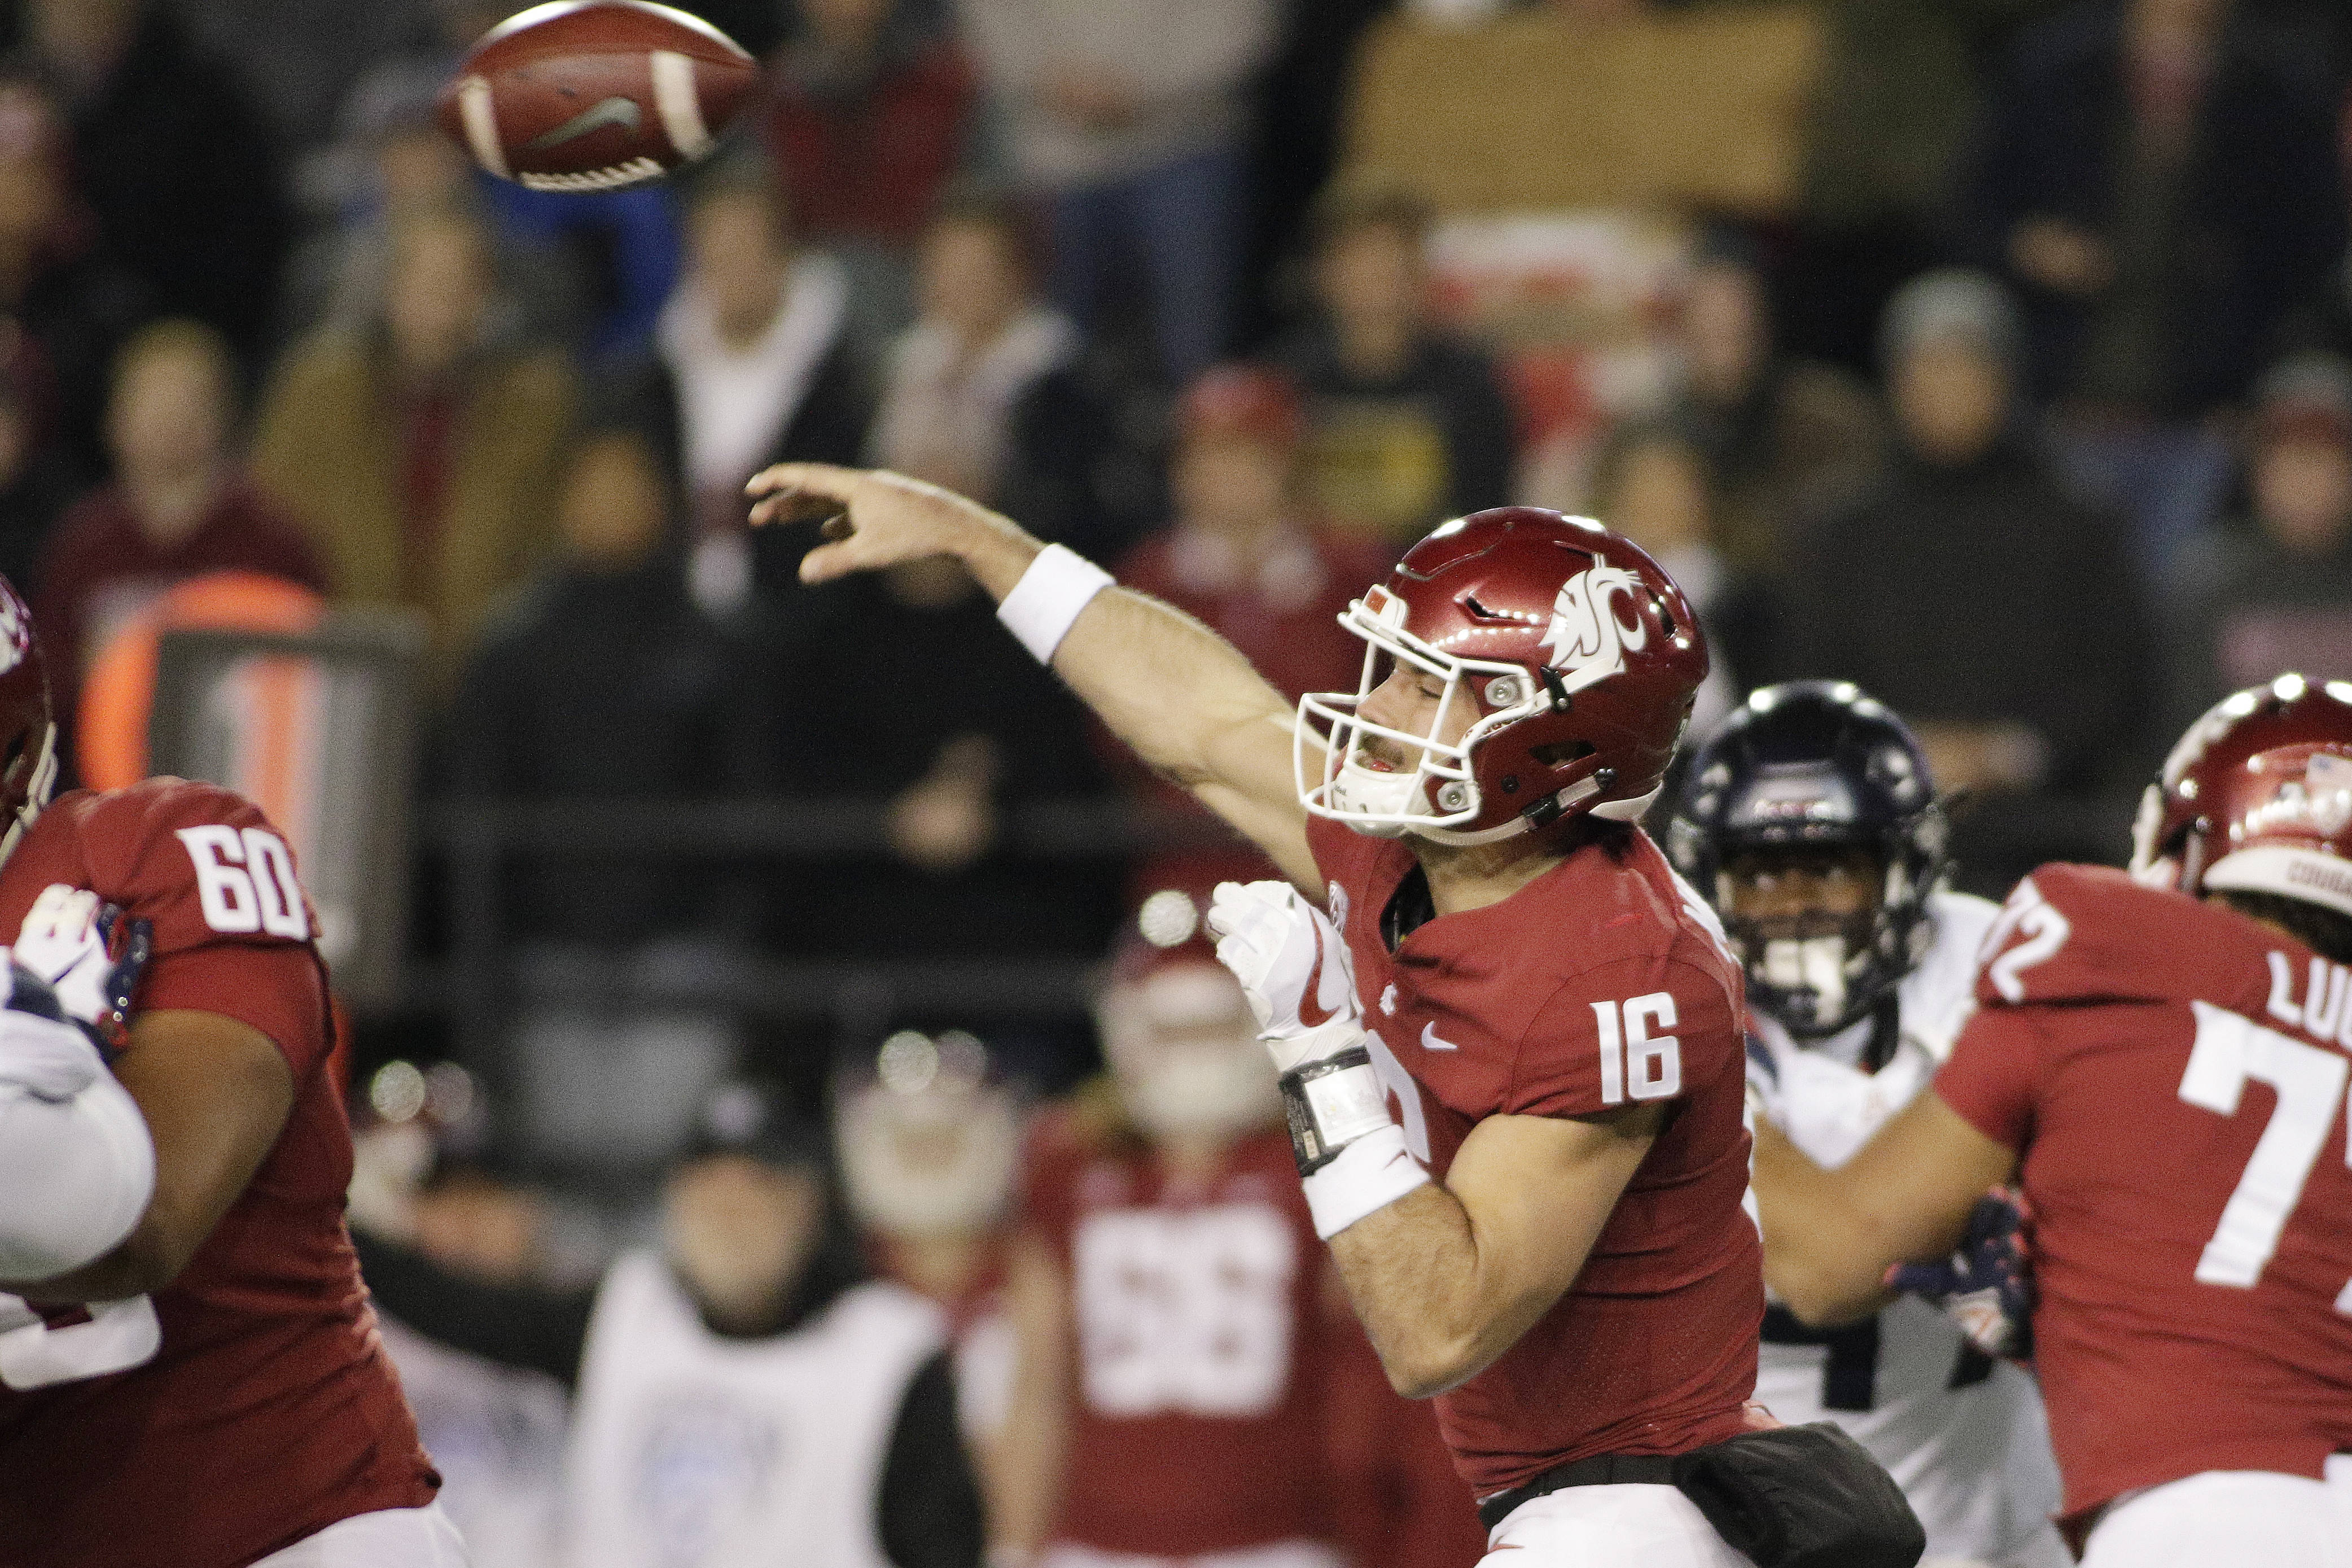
(1588, 639)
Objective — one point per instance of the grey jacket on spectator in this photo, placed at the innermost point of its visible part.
(1189, 64)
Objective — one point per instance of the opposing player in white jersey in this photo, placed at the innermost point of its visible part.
(1811, 819)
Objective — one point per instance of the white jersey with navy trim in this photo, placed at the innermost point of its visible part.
(1963, 1435)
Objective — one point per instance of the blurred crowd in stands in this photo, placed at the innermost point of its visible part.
(2027, 406)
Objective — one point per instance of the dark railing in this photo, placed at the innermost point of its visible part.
(476, 839)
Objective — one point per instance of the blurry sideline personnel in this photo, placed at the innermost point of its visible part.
(425, 1175)
(1183, 1349)
(2192, 1233)
(180, 505)
(928, 1143)
(1247, 555)
(420, 447)
(1407, 423)
(744, 1390)
(1810, 820)
(189, 1368)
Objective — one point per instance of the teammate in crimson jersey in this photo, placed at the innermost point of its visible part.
(1169, 1268)
(1557, 1024)
(2165, 1057)
(1166, 1286)
(209, 1392)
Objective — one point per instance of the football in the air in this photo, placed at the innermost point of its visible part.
(593, 95)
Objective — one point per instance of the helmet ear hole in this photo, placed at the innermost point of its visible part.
(1561, 753)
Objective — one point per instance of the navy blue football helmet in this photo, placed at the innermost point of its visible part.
(1806, 767)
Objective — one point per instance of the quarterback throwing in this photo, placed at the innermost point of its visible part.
(1508, 1034)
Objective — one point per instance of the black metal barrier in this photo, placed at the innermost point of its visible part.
(475, 839)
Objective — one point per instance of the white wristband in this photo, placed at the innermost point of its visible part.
(1045, 602)
(1370, 1174)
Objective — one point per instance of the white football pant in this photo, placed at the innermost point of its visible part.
(1600, 1527)
(391, 1538)
(2231, 1518)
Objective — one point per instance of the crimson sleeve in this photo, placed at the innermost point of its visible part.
(1994, 1073)
(1623, 1033)
(277, 989)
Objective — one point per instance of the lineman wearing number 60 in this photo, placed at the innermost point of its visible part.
(189, 1370)
(1509, 1035)
(2164, 1056)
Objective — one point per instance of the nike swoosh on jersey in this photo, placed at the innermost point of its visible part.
(1430, 1042)
(615, 111)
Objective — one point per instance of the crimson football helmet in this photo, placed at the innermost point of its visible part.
(2257, 797)
(1574, 655)
(28, 730)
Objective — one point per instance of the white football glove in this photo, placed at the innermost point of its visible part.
(1294, 967)
(47, 1057)
(64, 942)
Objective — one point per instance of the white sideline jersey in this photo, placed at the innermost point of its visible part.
(693, 1451)
(1962, 1434)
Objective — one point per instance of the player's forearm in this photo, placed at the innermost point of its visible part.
(1823, 1257)
(1435, 1308)
(1182, 696)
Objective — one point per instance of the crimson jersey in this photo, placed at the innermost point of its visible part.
(2174, 1075)
(265, 1409)
(1198, 1341)
(1601, 983)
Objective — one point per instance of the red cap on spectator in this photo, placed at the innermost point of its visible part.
(1252, 402)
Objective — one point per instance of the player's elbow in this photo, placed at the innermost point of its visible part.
(1433, 1362)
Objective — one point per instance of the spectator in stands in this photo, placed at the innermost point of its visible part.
(180, 505)
(1247, 554)
(421, 448)
(1650, 482)
(986, 392)
(1972, 593)
(36, 484)
(1408, 423)
(71, 306)
(1790, 440)
(400, 162)
(2274, 593)
(2160, 179)
(870, 107)
(1130, 119)
(602, 643)
(174, 162)
(753, 364)
(890, 690)
(744, 1385)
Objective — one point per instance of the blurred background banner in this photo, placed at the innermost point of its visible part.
(320, 730)
(1703, 109)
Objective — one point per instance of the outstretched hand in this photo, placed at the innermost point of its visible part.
(872, 518)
